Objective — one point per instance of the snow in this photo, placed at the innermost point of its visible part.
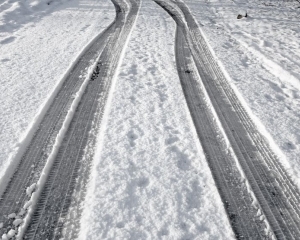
(30, 189)
(27, 204)
(23, 211)
(260, 55)
(30, 205)
(38, 47)
(17, 222)
(150, 179)
(11, 233)
(12, 215)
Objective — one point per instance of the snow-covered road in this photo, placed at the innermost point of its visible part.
(133, 167)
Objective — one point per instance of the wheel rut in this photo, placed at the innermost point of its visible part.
(260, 199)
(48, 216)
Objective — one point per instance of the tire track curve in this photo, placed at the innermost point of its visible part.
(278, 197)
(34, 159)
(49, 217)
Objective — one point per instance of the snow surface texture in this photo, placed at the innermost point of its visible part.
(15, 13)
(150, 179)
(261, 56)
(38, 44)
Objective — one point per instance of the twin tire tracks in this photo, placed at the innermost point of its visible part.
(47, 216)
(259, 197)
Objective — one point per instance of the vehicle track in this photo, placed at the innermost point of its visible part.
(48, 220)
(221, 162)
(277, 195)
(33, 161)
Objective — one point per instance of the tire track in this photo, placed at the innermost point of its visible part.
(221, 161)
(34, 159)
(277, 195)
(49, 217)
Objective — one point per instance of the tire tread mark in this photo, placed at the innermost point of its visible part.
(277, 195)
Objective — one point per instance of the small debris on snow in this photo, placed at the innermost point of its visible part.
(30, 189)
(12, 215)
(239, 16)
